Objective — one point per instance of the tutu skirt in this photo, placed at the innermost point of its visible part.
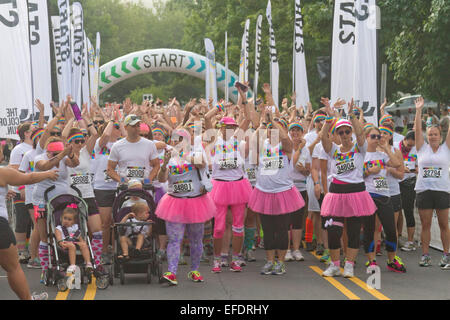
(186, 210)
(276, 203)
(346, 205)
(230, 193)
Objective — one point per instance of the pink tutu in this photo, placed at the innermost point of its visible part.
(276, 203)
(230, 193)
(186, 210)
(348, 205)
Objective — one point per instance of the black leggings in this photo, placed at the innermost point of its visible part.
(296, 218)
(408, 196)
(385, 212)
(275, 228)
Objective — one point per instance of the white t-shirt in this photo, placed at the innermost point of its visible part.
(17, 155)
(398, 138)
(134, 158)
(3, 210)
(310, 137)
(138, 229)
(433, 169)
(330, 170)
(101, 179)
(298, 178)
(394, 187)
(348, 166)
(27, 166)
(227, 160)
(80, 176)
(376, 183)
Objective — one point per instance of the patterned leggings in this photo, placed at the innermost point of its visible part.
(175, 232)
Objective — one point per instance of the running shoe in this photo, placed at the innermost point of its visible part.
(298, 255)
(216, 267)
(268, 268)
(195, 276)
(396, 266)
(171, 278)
(39, 296)
(409, 246)
(24, 256)
(279, 269)
(444, 260)
(288, 256)
(326, 256)
(348, 270)
(446, 267)
(234, 266)
(250, 256)
(241, 261)
(332, 271)
(224, 261)
(181, 261)
(320, 249)
(369, 263)
(425, 261)
(34, 264)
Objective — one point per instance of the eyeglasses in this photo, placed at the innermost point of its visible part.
(375, 136)
(80, 141)
(53, 134)
(347, 132)
(98, 122)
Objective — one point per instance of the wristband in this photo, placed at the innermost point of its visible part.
(220, 107)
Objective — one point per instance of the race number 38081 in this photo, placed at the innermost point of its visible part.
(13, 19)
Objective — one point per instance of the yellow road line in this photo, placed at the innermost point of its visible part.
(62, 295)
(91, 290)
(336, 284)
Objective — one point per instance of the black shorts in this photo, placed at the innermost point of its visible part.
(397, 202)
(160, 227)
(433, 200)
(105, 198)
(92, 206)
(6, 235)
(23, 220)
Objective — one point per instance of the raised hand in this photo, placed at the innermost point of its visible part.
(419, 102)
(39, 105)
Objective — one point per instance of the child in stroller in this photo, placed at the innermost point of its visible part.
(68, 236)
(139, 213)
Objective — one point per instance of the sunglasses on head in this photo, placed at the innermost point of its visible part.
(58, 134)
(79, 141)
(96, 122)
(347, 132)
(375, 136)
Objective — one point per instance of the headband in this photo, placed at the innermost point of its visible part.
(62, 119)
(55, 146)
(155, 130)
(295, 125)
(319, 117)
(37, 134)
(386, 129)
(283, 122)
(75, 136)
(333, 125)
(384, 118)
(368, 125)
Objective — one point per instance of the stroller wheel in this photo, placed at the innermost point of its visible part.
(149, 273)
(122, 274)
(111, 278)
(62, 285)
(102, 282)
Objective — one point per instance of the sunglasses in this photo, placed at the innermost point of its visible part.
(85, 135)
(54, 154)
(79, 141)
(53, 134)
(117, 126)
(375, 136)
(347, 132)
(98, 122)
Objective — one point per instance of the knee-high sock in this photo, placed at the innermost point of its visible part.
(249, 238)
(43, 255)
(97, 246)
(195, 233)
(175, 233)
(309, 230)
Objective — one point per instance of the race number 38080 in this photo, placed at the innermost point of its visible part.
(13, 19)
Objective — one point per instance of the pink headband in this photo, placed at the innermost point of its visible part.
(72, 205)
(55, 146)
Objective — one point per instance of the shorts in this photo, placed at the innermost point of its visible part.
(105, 198)
(397, 202)
(6, 235)
(433, 200)
(23, 220)
(92, 206)
(160, 227)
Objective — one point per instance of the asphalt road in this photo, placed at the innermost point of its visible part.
(301, 282)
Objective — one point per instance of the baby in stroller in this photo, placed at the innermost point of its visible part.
(139, 213)
(68, 236)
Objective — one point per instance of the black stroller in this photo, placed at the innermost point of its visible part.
(58, 258)
(148, 261)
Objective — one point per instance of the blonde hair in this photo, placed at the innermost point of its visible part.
(139, 207)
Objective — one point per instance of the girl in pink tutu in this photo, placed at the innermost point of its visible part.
(275, 196)
(186, 204)
(347, 198)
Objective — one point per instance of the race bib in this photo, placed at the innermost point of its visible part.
(135, 172)
(79, 179)
(380, 184)
(251, 174)
(227, 164)
(183, 186)
(346, 166)
(432, 172)
(107, 177)
(273, 163)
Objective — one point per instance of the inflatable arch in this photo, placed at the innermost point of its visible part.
(163, 60)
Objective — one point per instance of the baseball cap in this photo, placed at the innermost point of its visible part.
(131, 120)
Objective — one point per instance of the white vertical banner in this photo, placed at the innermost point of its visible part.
(40, 54)
(301, 79)
(65, 48)
(77, 51)
(211, 77)
(354, 55)
(94, 92)
(274, 68)
(85, 73)
(91, 66)
(15, 64)
(227, 85)
(257, 56)
(243, 65)
(56, 31)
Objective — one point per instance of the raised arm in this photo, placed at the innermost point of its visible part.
(418, 123)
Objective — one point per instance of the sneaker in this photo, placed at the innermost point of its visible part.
(369, 263)
(326, 256)
(396, 266)
(444, 260)
(309, 246)
(250, 256)
(298, 255)
(446, 267)
(217, 267)
(241, 261)
(268, 268)
(234, 266)
(195, 276)
(224, 261)
(320, 249)
(181, 261)
(24, 256)
(171, 278)
(409, 246)
(280, 268)
(288, 256)
(332, 271)
(34, 264)
(39, 296)
(348, 270)
(425, 261)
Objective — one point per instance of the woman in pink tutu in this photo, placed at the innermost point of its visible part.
(186, 205)
(275, 196)
(347, 198)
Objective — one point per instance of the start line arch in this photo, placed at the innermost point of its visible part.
(163, 60)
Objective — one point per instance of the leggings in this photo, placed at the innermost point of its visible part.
(238, 212)
(385, 212)
(175, 232)
(276, 229)
(408, 196)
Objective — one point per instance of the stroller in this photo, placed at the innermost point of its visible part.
(58, 258)
(148, 261)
